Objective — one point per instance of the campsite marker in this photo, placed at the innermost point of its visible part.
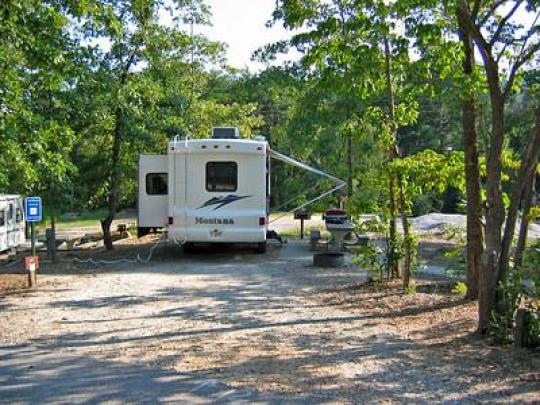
(33, 211)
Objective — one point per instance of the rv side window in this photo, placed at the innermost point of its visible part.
(156, 184)
(221, 176)
(19, 215)
(2, 217)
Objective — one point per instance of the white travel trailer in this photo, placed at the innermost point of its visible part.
(209, 190)
(12, 228)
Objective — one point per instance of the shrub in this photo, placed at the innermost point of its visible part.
(410, 289)
(516, 292)
(460, 288)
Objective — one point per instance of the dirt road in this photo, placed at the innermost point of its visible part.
(231, 326)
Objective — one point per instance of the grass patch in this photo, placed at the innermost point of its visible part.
(68, 221)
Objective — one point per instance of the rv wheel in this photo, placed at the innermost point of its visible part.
(261, 247)
(188, 247)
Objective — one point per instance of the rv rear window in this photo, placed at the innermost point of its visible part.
(19, 214)
(2, 217)
(221, 176)
(11, 211)
(156, 184)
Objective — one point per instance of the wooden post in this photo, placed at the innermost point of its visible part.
(31, 264)
(522, 329)
(50, 235)
(32, 279)
(519, 329)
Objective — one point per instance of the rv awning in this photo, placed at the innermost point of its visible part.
(293, 162)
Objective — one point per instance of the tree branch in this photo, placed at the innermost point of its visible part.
(490, 12)
(503, 22)
(474, 31)
(501, 53)
(521, 60)
(476, 9)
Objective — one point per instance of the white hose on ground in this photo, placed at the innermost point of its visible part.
(122, 260)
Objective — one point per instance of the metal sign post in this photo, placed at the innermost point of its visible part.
(33, 211)
(33, 237)
(302, 216)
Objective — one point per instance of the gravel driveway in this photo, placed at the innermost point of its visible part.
(233, 326)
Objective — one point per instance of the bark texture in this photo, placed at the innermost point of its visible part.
(524, 226)
(394, 154)
(489, 276)
(475, 248)
(407, 247)
(115, 180)
(392, 259)
(527, 170)
(115, 157)
(349, 166)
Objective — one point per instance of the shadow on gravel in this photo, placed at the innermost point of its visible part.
(236, 324)
(407, 371)
(30, 375)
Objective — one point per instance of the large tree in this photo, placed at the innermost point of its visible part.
(506, 47)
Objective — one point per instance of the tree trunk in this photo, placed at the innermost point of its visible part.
(472, 175)
(495, 214)
(53, 228)
(394, 154)
(529, 160)
(391, 255)
(115, 180)
(524, 227)
(406, 271)
(115, 157)
(394, 265)
(490, 274)
(349, 166)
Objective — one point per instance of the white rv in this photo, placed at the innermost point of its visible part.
(209, 190)
(12, 228)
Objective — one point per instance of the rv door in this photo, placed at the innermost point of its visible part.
(153, 192)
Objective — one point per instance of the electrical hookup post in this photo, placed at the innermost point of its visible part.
(33, 211)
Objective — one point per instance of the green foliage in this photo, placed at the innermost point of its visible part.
(423, 204)
(534, 213)
(429, 171)
(371, 258)
(531, 262)
(460, 288)
(517, 291)
(410, 289)
(413, 246)
(457, 255)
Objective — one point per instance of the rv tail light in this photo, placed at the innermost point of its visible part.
(171, 220)
(262, 221)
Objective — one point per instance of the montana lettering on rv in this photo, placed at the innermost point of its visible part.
(213, 221)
